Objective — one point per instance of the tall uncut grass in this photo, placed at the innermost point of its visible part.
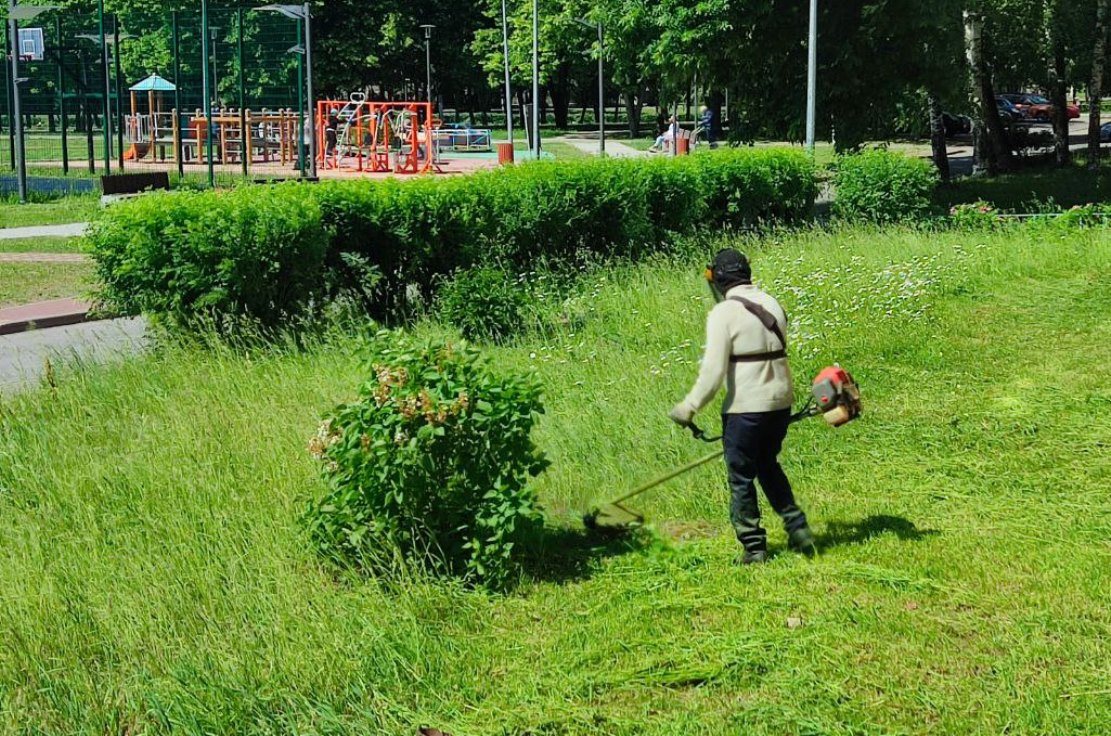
(154, 579)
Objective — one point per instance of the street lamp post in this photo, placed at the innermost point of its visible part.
(812, 78)
(536, 79)
(505, 59)
(428, 60)
(16, 14)
(601, 91)
(301, 14)
(206, 90)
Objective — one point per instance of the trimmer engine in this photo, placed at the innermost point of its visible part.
(837, 395)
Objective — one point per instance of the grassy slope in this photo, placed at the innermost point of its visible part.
(23, 283)
(153, 577)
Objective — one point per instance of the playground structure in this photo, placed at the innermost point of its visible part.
(353, 136)
(363, 135)
(161, 136)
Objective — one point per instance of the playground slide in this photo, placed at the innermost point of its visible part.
(136, 152)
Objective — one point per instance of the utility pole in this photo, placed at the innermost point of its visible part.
(812, 78)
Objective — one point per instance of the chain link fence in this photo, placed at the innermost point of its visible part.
(136, 102)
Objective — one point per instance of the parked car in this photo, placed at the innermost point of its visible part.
(1036, 107)
(956, 124)
(1008, 113)
(1105, 133)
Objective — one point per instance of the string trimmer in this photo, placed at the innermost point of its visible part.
(834, 395)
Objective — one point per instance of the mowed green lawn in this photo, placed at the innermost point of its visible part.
(25, 283)
(76, 208)
(154, 579)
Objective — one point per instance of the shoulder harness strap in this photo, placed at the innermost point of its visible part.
(770, 323)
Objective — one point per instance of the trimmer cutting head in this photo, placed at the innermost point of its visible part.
(612, 517)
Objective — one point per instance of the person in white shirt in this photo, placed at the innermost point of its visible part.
(746, 349)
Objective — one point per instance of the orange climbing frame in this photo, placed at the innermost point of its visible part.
(376, 136)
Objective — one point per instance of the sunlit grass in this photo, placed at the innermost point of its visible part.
(23, 283)
(153, 577)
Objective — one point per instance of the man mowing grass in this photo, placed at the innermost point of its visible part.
(746, 348)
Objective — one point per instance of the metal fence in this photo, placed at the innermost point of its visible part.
(112, 94)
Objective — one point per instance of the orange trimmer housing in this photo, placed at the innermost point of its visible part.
(836, 395)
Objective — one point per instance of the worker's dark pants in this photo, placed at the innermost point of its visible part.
(752, 444)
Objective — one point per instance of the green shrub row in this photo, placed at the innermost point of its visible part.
(266, 252)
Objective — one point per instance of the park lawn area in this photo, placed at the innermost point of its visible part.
(1033, 190)
(564, 151)
(24, 283)
(641, 144)
(154, 577)
(78, 208)
(40, 245)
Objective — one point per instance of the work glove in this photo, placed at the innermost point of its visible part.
(682, 414)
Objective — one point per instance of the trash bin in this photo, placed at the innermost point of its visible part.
(683, 145)
(505, 152)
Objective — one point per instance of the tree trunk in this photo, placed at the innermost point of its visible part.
(992, 152)
(1055, 48)
(543, 101)
(561, 96)
(633, 103)
(1095, 86)
(521, 102)
(937, 138)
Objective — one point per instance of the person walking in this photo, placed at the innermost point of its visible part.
(708, 123)
(746, 349)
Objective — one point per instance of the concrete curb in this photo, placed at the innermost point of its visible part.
(40, 315)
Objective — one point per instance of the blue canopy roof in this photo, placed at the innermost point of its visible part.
(154, 83)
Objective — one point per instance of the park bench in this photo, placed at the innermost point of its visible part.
(121, 186)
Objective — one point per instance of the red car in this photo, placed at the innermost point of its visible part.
(1036, 107)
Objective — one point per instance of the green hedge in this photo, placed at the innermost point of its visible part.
(883, 186)
(269, 251)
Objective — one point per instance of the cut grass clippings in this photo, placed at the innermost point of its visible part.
(25, 283)
(154, 578)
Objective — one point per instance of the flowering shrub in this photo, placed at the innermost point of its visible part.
(431, 460)
(974, 216)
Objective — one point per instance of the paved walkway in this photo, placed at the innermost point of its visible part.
(72, 230)
(43, 258)
(614, 148)
(23, 357)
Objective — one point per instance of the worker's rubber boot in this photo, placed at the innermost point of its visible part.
(801, 540)
(752, 557)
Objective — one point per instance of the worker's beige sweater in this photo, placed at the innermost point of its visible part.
(733, 330)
